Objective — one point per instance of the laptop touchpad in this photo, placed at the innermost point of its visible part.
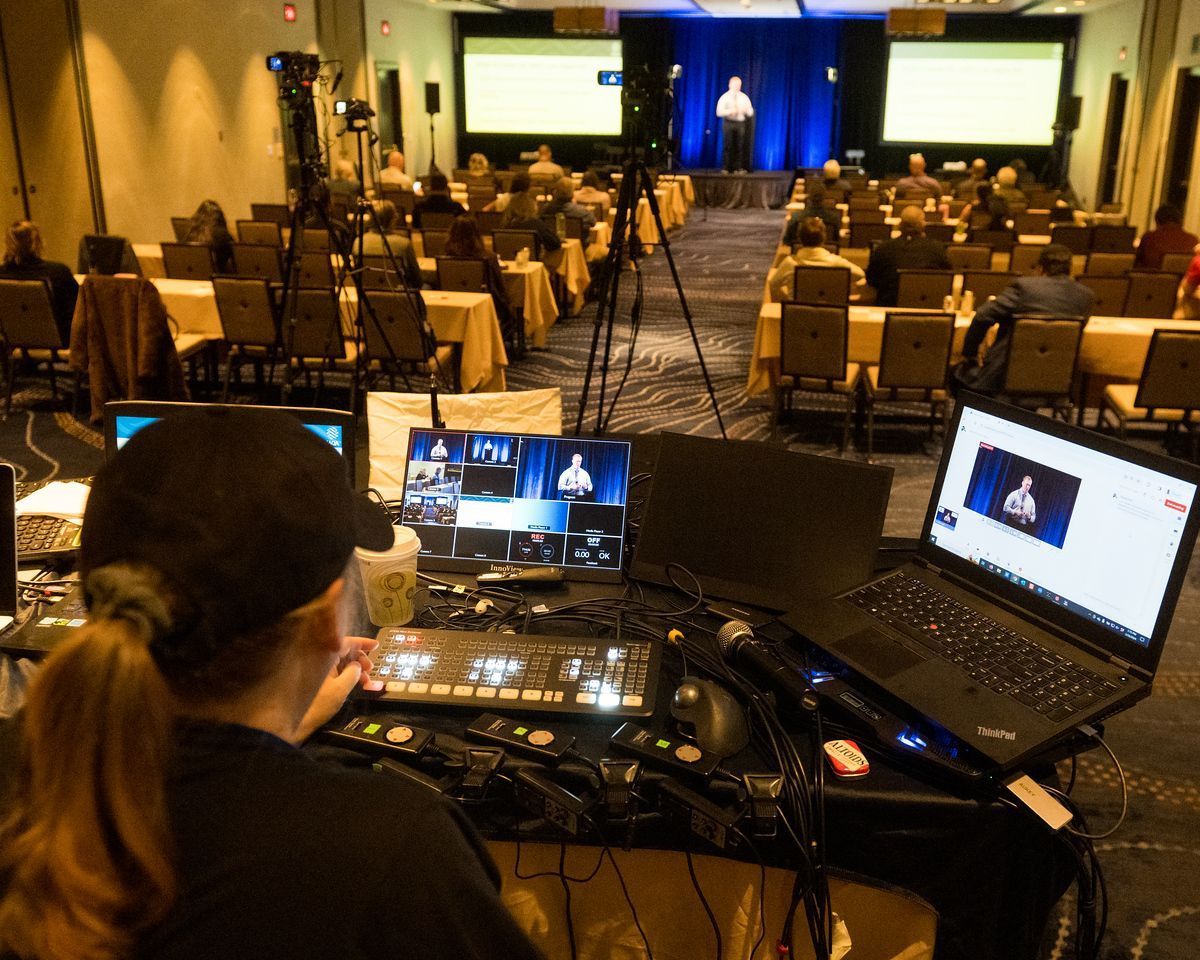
(876, 652)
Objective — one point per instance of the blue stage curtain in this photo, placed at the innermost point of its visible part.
(997, 473)
(782, 65)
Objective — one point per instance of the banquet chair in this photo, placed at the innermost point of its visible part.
(813, 343)
(315, 240)
(1001, 241)
(1108, 264)
(863, 202)
(467, 274)
(436, 221)
(1110, 293)
(867, 215)
(315, 269)
(249, 325)
(1176, 263)
(187, 261)
(1043, 352)
(1075, 238)
(434, 241)
(181, 227)
(310, 329)
(390, 416)
(821, 286)
(489, 221)
(1151, 294)
(275, 212)
(1032, 222)
(1167, 392)
(1024, 257)
(941, 232)
(380, 273)
(572, 225)
(398, 341)
(266, 232)
(914, 360)
(968, 256)
(29, 334)
(258, 260)
(479, 197)
(924, 289)
(986, 284)
(404, 200)
(1111, 238)
(864, 234)
(506, 244)
(1042, 199)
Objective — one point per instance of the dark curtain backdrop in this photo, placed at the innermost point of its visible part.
(423, 441)
(997, 473)
(782, 65)
(501, 448)
(543, 460)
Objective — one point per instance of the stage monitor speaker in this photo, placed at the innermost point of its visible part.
(594, 20)
(433, 98)
(1071, 112)
(913, 22)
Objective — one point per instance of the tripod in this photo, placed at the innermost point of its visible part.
(636, 182)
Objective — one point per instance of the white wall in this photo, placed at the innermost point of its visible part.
(1102, 34)
(184, 107)
(422, 44)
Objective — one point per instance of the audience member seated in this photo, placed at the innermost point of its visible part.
(436, 200)
(520, 184)
(1006, 187)
(465, 240)
(563, 201)
(478, 166)
(917, 180)
(987, 211)
(1189, 302)
(393, 173)
(208, 226)
(386, 222)
(522, 214)
(966, 189)
(591, 192)
(833, 182)
(1168, 236)
(343, 181)
(1025, 177)
(814, 206)
(1050, 290)
(545, 166)
(23, 261)
(811, 253)
(912, 250)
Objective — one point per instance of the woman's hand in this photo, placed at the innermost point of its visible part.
(349, 672)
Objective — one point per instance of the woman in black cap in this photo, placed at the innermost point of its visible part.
(161, 806)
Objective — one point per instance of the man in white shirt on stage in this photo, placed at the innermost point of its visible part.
(1019, 510)
(735, 110)
(574, 482)
(439, 451)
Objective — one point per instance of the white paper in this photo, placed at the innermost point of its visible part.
(63, 499)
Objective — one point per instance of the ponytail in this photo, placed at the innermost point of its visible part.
(85, 854)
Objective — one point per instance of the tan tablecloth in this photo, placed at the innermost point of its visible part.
(1113, 347)
(570, 264)
(528, 289)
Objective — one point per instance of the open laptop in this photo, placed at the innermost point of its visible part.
(1043, 587)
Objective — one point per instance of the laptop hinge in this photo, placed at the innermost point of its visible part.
(1123, 664)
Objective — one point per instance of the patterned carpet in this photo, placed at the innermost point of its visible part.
(1151, 863)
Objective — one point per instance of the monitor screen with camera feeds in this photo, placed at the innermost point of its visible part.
(494, 501)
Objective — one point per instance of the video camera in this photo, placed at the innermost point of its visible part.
(297, 73)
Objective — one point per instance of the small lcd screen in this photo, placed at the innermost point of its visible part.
(126, 427)
(492, 500)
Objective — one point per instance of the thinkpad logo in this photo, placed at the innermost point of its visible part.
(996, 733)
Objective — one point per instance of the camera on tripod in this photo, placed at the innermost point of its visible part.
(647, 103)
(297, 73)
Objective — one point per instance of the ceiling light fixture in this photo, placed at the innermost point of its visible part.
(1060, 9)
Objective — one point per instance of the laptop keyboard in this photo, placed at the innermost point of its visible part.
(993, 655)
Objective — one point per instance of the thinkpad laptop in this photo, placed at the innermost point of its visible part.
(1048, 569)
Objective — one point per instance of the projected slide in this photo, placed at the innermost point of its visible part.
(1003, 93)
(547, 86)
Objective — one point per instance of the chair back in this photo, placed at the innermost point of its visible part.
(266, 232)
(1110, 293)
(864, 234)
(479, 197)
(1177, 263)
(864, 200)
(1151, 294)
(941, 232)
(915, 353)
(1112, 238)
(968, 256)
(247, 311)
(1042, 199)
(998, 240)
(986, 284)
(436, 221)
(1042, 354)
(27, 316)
(181, 226)
(315, 240)
(1171, 376)
(1024, 257)
(310, 325)
(315, 269)
(489, 221)
(1109, 264)
(187, 261)
(813, 341)
(924, 289)
(1075, 238)
(434, 241)
(824, 286)
(467, 274)
(1035, 222)
(397, 330)
(258, 260)
(506, 244)
(380, 273)
(867, 215)
(275, 212)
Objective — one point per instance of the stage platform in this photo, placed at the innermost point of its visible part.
(760, 189)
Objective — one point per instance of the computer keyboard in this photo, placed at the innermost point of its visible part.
(40, 536)
(499, 671)
(993, 655)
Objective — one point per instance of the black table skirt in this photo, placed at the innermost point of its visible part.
(760, 190)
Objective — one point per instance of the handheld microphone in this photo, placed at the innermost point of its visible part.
(739, 646)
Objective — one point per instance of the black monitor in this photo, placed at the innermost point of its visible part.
(107, 254)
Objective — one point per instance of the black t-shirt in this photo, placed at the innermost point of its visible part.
(282, 856)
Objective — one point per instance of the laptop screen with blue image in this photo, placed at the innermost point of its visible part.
(126, 427)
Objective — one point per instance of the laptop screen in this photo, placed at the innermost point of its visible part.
(126, 426)
(484, 501)
(1090, 532)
